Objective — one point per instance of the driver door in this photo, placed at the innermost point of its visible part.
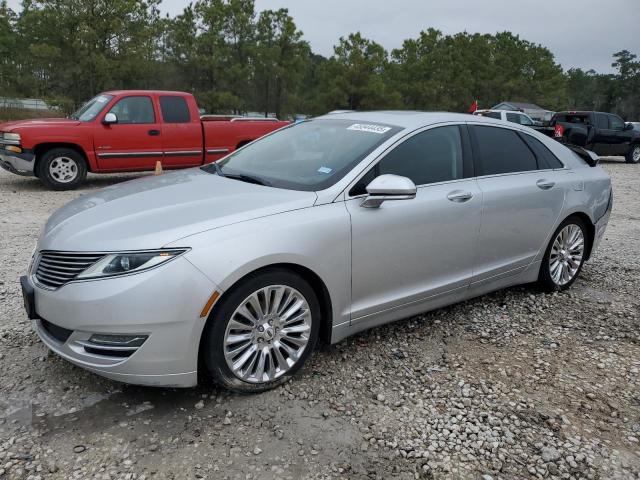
(134, 142)
(409, 254)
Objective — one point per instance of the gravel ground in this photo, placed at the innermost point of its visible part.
(512, 385)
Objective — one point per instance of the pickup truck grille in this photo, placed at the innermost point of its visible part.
(54, 269)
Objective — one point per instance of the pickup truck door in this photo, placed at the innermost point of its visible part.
(605, 137)
(620, 138)
(182, 140)
(133, 142)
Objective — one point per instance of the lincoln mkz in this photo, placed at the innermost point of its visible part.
(322, 229)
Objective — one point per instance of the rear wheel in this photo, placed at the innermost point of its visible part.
(633, 155)
(262, 332)
(62, 169)
(565, 256)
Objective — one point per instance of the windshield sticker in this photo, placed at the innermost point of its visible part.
(325, 170)
(361, 127)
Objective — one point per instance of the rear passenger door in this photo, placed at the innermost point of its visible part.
(181, 133)
(522, 199)
(604, 139)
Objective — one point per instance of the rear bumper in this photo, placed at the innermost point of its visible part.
(18, 163)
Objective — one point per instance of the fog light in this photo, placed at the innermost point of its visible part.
(131, 341)
(11, 148)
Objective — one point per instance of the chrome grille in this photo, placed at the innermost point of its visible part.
(54, 269)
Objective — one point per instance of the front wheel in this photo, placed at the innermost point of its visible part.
(633, 155)
(262, 332)
(62, 169)
(565, 256)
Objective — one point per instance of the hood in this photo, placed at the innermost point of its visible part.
(154, 211)
(49, 122)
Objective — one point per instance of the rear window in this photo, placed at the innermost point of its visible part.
(174, 110)
(491, 115)
(582, 118)
(502, 151)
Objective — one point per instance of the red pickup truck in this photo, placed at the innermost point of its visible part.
(124, 131)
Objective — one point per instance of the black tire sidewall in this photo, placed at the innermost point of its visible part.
(544, 278)
(50, 182)
(212, 347)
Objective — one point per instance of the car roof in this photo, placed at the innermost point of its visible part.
(408, 118)
(145, 92)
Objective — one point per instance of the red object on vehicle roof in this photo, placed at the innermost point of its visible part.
(124, 131)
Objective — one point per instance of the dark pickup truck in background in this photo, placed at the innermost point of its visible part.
(603, 133)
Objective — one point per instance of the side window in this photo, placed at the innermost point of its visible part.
(513, 117)
(502, 151)
(428, 157)
(174, 110)
(602, 122)
(616, 123)
(546, 159)
(524, 120)
(134, 110)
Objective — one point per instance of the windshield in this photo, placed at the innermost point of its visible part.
(312, 155)
(91, 109)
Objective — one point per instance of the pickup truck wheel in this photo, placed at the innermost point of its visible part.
(62, 169)
(633, 156)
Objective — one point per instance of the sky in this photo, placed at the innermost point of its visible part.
(580, 33)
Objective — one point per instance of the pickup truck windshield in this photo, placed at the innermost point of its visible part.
(92, 108)
(312, 155)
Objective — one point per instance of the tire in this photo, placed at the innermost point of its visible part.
(633, 155)
(61, 169)
(562, 275)
(222, 348)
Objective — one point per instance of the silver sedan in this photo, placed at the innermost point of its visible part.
(317, 231)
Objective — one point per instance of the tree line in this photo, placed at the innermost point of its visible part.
(236, 60)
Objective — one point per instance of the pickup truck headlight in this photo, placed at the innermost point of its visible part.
(129, 262)
(11, 137)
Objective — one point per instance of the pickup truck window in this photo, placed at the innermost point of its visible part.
(134, 110)
(174, 109)
(311, 155)
(616, 123)
(91, 109)
(602, 122)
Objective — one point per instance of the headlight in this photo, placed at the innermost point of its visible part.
(12, 137)
(126, 263)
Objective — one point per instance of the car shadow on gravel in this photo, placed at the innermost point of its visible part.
(32, 184)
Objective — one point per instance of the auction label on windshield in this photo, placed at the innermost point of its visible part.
(361, 127)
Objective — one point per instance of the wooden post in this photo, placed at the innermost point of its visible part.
(158, 168)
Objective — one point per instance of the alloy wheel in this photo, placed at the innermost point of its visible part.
(63, 169)
(566, 254)
(267, 334)
(636, 154)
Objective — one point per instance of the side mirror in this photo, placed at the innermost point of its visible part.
(628, 126)
(110, 118)
(388, 187)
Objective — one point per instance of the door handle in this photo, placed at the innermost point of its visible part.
(545, 184)
(459, 196)
(154, 133)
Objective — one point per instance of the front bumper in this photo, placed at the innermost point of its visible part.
(18, 163)
(163, 303)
